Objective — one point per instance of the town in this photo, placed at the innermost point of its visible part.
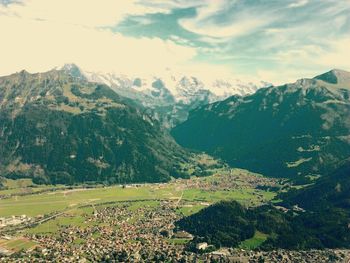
(142, 232)
(132, 223)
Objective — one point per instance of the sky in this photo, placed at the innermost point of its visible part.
(273, 40)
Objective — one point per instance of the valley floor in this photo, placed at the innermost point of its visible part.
(129, 223)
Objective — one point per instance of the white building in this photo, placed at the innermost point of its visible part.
(202, 246)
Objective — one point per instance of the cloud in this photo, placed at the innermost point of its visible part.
(334, 54)
(298, 3)
(272, 39)
(90, 13)
(168, 5)
(308, 61)
(245, 26)
(39, 36)
(283, 74)
(207, 21)
(338, 56)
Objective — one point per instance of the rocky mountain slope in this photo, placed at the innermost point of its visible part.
(171, 96)
(59, 128)
(295, 130)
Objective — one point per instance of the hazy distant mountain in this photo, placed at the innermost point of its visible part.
(171, 96)
(57, 127)
(293, 130)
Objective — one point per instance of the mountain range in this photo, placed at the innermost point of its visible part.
(298, 130)
(169, 96)
(65, 126)
(59, 128)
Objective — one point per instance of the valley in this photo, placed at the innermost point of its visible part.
(134, 222)
(174, 131)
(88, 175)
(54, 213)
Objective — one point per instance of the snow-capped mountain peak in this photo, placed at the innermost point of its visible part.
(173, 90)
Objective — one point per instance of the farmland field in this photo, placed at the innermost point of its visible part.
(44, 203)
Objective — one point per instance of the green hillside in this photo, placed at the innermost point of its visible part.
(295, 130)
(56, 128)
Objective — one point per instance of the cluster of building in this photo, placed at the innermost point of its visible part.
(140, 232)
(137, 232)
(15, 220)
(286, 256)
(118, 233)
(232, 179)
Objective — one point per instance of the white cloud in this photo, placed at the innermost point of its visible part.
(41, 34)
(167, 5)
(244, 26)
(298, 3)
(244, 22)
(338, 56)
(60, 36)
(308, 61)
(334, 55)
(90, 13)
(285, 74)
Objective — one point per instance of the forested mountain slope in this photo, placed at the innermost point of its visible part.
(294, 130)
(57, 128)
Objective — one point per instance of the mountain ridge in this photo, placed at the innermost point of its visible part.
(308, 118)
(336, 76)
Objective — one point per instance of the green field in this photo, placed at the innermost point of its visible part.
(178, 241)
(190, 209)
(245, 196)
(254, 242)
(61, 200)
(25, 186)
(17, 244)
(45, 203)
(53, 225)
